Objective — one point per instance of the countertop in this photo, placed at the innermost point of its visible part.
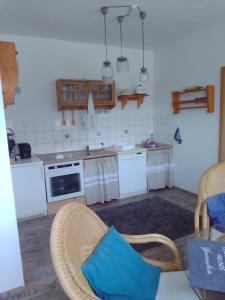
(160, 147)
(76, 155)
(34, 160)
(137, 148)
(50, 158)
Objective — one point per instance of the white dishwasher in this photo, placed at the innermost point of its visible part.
(29, 188)
(132, 172)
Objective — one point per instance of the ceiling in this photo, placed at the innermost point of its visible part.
(81, 20)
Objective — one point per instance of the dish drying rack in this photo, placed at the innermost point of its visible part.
(193, 99)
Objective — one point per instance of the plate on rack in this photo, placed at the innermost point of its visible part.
(193, 88)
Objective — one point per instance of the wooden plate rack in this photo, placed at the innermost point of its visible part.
(199, 98)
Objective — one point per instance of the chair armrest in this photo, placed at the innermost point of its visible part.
(203, 231)
(175, 264)
(221, 238)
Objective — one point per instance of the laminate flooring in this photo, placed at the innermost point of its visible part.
(40, 279)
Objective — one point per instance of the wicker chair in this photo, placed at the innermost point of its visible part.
(75, 233)
(212, 182)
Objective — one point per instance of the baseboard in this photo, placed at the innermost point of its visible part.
(122, 196)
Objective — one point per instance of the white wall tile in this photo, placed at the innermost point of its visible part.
(29, 125)
(19, 126)
(40, 137)
(58, 137)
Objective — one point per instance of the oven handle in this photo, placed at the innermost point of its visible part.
(63, 171)
(56, 174)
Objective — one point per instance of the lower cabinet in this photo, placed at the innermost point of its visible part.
(160, 169)
(101, 181)
(29, 191)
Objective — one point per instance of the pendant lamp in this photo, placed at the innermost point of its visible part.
(144, 72)
(122, 64)
(107, 70)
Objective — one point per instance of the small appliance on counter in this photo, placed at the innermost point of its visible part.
(25, 150)
(11, 143)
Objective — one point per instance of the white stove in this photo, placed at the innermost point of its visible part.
(64, 180)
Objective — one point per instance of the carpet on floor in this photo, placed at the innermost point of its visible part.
(153, 215)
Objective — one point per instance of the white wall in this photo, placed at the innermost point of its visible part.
(10, 257)
(35, 117)
(194, 60)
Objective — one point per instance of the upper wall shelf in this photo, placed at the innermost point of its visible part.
(8, 71)
(135, 97)
(73, 94)
(194, 98)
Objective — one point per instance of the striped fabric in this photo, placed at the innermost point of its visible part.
(101, 179)
(159, 169)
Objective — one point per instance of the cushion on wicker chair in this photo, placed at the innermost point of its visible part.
(216, 212)
(216, 209)
(116, 271)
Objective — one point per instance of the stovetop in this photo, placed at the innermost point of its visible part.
(64, 155)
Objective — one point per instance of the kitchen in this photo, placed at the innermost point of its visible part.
(54, 179)
(64, 132)
(101, 112)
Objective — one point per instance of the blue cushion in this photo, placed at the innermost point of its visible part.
(117, 272)
(216, 209)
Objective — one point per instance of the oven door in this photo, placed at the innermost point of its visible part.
(61, 185)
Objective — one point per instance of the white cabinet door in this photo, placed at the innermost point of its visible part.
(29, 191)
(132, 173)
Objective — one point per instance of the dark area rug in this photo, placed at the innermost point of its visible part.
(153, 215)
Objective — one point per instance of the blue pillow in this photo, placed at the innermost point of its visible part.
(216, 209)
(117, 272)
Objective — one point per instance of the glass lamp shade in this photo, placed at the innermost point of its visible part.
(122, 65)
(107, 72)
(144, 74)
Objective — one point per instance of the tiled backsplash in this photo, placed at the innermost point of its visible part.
(111, 128)
(163, 128)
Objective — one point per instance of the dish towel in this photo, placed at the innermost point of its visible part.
(91, 111)
(83, 119)
(177, 136)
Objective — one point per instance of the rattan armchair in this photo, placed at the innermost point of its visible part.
(75, 233)
(212, 182)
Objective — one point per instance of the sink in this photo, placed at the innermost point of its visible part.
(124, 147)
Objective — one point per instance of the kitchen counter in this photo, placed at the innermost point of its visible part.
(138, 148)
(50, 158)
(75, 155)
(34, 160)
(160, 147)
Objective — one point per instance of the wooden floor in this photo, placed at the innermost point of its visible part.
(39, 275)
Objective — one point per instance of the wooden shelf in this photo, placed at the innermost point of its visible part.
(199, 101)
(135, 97)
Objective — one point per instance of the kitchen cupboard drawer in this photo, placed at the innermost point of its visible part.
(29, 191)
(73, 94)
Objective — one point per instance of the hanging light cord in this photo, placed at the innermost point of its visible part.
(143, 41)
(106, 47)
(121, 40)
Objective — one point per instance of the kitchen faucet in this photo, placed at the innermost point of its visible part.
(87, 150)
